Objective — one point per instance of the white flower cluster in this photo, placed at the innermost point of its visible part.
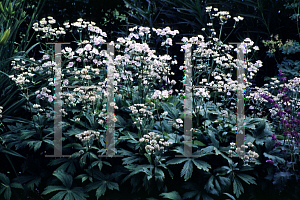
(243, 152)
(136, 56)
(140, 110)
(88, 135)
(24, 75)
(45, 27)
(246, 46)
(153, 143)
(161, 94)
(81, 24)
(178, 123)
(166, 32)
(44, 94)
(222, 15)
(37, 106)
(202, 92)
(217, 55)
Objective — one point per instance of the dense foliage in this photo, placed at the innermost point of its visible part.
(148, 108)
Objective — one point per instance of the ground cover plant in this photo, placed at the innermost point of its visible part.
(149, 117)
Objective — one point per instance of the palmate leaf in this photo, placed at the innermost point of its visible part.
(65, 178)
(104, 182)
(66, 164)
(29, 181)
(209, 186)
(196, 192)
(187, 169)
(34, 144)
(4, 179)
(10, 152)
(246, 178)
(202, 165)
(6, 186)
(52, 188)
(171, 195)
(237, 187)
(66, 192)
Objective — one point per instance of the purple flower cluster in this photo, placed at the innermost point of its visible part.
(288, 119)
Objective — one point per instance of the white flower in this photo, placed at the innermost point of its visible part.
(240, 18)
(169, 41)
(218, 77)
(36, 106)
(165, 93)
(165, 113)
(179, 121)
(184, 39)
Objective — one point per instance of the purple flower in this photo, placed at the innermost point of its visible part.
(273, 137)
(288, 109)
(270, 161)
(280, 113)
(283, 121)
(298, 113)
(286, 133)
(271, 100)
(287, 125)
(283, 79)
(277, 144)
(296, 121)
(285, 88)
(280, 73)
(275, 105)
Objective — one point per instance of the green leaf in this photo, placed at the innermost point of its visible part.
(189, 195)
(4, 179)
(237, 187)
(101, 190)
(199, 143)
(247, 178)
(112, 185)
(229, 195)
(171, 195)
(172, 112)
(36, 145)
(59, 196)
(202, 165)
(16, 185)
(52, 188)
(65, 178)
(274, 158)
(187, 170)
(7, 193)
(176, 161)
